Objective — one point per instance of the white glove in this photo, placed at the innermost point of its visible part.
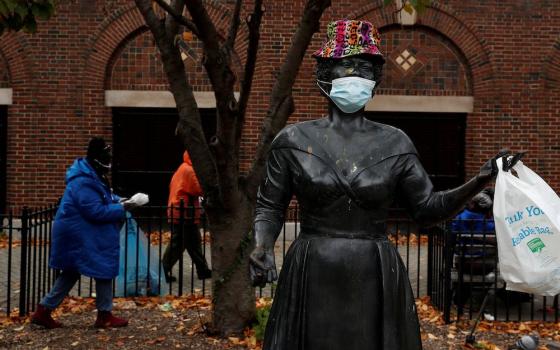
(135, 201)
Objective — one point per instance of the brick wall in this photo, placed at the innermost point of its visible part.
(505, 54)
(432, 66)
(137, 66)
(4, 73)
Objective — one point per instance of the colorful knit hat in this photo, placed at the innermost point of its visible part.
(349, 38)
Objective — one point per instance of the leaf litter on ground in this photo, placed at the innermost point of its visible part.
(181, 322)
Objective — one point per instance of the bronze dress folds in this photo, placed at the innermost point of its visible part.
(343, 285)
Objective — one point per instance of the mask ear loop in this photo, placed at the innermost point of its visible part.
(320, 87)
(328, 95)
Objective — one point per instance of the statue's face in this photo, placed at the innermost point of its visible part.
(353, 66)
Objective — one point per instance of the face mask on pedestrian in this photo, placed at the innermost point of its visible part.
(349, 94)
(101, 160)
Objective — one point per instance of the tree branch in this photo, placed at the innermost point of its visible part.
(254, 24)
(152, 20)
(217, 63)
(281, 100)
(171, 24)
(178, 16)
(232, 35)
(189, 126)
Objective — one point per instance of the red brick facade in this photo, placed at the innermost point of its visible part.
(505, 54)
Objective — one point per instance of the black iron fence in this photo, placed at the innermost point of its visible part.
(457, 269)
(464, 270)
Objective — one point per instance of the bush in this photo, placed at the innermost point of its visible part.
(261, 320)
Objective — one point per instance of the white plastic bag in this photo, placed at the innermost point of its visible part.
(527, 217)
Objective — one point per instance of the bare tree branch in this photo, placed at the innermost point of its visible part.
(171, 24)
(254, 24)
(216, 63)
(177, 15)
(235, 21)
(281, 100)
(218, 66)
(189, 125)
(152, 20)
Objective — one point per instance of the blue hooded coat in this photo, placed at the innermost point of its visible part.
(85, 236)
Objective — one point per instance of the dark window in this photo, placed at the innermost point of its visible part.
(146, 151)
(439, 139)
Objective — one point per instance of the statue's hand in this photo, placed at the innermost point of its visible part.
(262, 266)
(490, 168)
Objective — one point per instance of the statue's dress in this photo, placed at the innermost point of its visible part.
(343, 285)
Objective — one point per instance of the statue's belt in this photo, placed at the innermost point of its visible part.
(317, 234)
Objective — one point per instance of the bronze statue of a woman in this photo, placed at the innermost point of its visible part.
(343, 284)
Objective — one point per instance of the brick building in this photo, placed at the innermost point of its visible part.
(463, 80)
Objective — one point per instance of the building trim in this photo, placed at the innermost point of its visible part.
(206, 99)
(6, 96)
(405, 103)
(155, 99)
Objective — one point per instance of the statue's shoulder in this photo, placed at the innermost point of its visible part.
(391, 139)
(295, 135)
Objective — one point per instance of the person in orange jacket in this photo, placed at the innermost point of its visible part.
(184, 186)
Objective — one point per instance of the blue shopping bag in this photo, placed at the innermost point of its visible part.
(139, 278)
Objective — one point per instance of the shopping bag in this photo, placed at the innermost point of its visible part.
(527, 218)
(138, 275)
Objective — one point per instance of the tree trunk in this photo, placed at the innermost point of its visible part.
(232, 294)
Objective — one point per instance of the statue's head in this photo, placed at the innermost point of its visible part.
(349, 64)
(351, 49)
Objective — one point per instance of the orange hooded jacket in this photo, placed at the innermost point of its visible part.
(184, 184)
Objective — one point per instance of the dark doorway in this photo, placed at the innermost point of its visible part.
(146, 151)
(3, 153)
(439, 139)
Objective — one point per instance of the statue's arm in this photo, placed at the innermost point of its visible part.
(273, 198)
(427, 206)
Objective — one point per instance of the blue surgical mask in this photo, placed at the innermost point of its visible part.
(350, 94)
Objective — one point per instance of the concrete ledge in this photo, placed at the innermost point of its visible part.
(437, 104)
(155, 99)
(6, 96)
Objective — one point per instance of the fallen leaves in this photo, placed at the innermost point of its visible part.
(157, 237)
(427, 312)
(156, 340)
(410, 239)
(4, 242)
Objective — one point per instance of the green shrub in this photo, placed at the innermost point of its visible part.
(260, 325)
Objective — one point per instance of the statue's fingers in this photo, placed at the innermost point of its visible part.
(503, 152)
(505, 163)
(516, 158)
(256, 275)
(256, 262)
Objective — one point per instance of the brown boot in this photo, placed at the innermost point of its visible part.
(42, 317)
(105, 319)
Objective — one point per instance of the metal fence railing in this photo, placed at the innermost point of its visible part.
(465, 269)
(455, 268)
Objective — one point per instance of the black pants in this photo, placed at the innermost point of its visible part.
(189, 240)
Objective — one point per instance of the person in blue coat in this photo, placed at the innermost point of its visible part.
(477, 216)
(85, 236)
